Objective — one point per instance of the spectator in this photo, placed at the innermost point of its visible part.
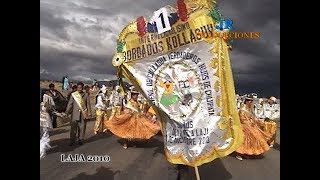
(74, 88)
(87, 89)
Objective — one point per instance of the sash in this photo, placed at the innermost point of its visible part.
(259, 123)
(78, 98)
(246, 110)
(129, 106)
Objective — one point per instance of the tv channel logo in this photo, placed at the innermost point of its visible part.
(224, 24)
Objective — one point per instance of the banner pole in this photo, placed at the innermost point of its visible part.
(197, 172)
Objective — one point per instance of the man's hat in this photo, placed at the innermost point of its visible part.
(260, 100)
(249, 97)
(273, 99)
(254, 95)
(51, 85)
(134, 91)
(103, 88)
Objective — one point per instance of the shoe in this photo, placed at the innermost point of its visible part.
(271, 146)
(42, 154)
(95, 132)
(125, 146)
(105, 130)
(239, 158)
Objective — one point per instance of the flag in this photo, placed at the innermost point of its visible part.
(186, 76)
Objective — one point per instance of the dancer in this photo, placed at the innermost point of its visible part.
(52, 92)
(255, 139)
(152, 114)
(45, 124)
(116, 101)
(132, 124)
(275, 110)
(271, 112)
(101, 110)
(258, 109)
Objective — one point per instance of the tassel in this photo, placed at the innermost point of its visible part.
(119, 73)
(119, 46)
(215, 14)
(182, 10)
(141, 26)
(229, 42)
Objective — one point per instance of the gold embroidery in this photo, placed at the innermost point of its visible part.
(220, 62)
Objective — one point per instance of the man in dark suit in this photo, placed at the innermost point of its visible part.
(80, 109)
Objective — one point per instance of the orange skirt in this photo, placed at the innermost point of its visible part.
(270, 127)
(132, 126)
(255, 140)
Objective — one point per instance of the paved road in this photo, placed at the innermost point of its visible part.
(145, 162)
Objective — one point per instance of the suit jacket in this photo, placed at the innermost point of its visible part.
(69, 95)
(74, 109)
(54, 97)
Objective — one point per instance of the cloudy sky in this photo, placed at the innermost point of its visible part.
(78, 38)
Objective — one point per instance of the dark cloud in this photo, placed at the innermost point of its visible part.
(74, 64)
(47, 19)
(255, 62)
(78, 38)
(251, 14)
(52, 23)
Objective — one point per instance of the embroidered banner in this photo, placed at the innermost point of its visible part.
(185, 74)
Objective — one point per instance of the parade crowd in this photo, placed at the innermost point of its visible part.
(257, 117)
(128, 115)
